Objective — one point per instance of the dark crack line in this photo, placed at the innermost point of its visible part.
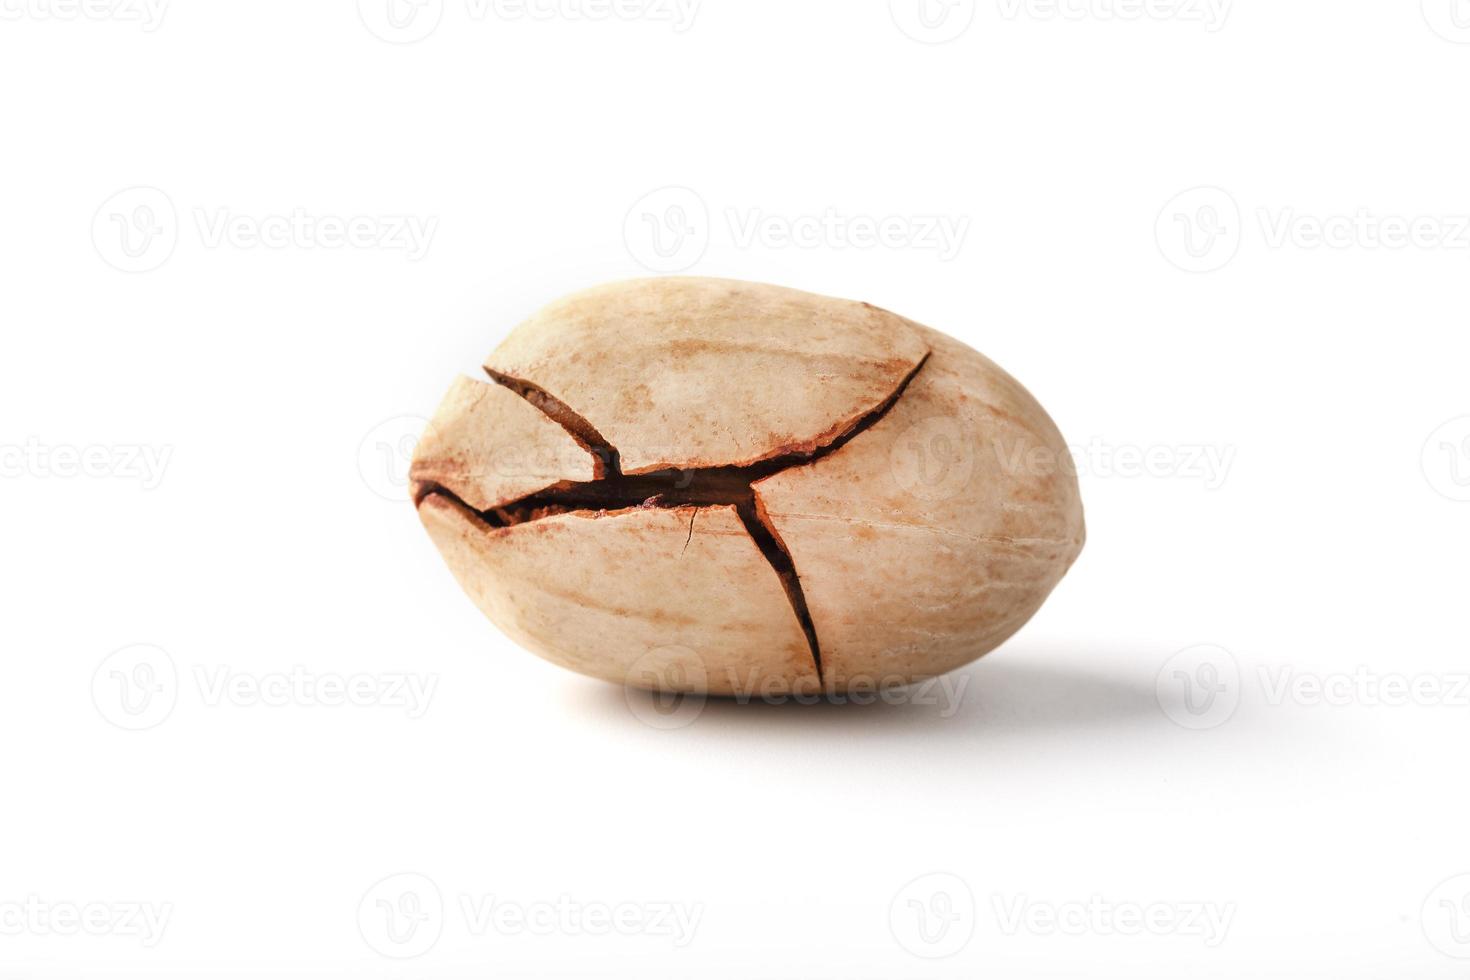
(606, 464)
(612, 490)
(690, 538)
(758, 526)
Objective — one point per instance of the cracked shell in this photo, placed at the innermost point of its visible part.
(732, 488)
(632, 594)
(685, 372)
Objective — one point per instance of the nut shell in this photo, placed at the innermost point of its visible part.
(493, 447)
(733, 488)
(632, 596)
(934, 536)
(682, 373)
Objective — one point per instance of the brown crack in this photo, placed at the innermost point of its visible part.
(758, 525)
(604, 456)
(612, 490)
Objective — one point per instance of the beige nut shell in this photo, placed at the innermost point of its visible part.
(686, 372)
(632, 596)
(912, 506)
(491, 446)
(937, 533)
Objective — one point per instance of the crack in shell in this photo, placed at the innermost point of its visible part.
(612, 490)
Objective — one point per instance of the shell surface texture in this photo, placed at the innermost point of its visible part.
(724, 487)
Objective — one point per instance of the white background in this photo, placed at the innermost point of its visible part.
(1083, 776)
